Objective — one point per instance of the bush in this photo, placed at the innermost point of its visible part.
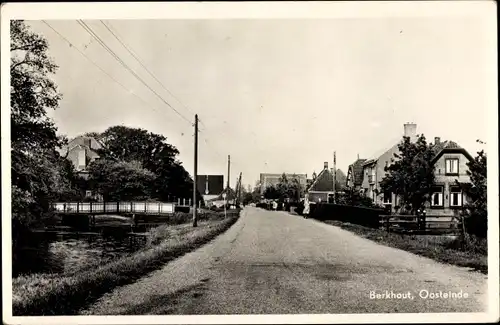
(368, 217)
(477, 225)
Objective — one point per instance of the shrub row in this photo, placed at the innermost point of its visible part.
(368, 217)
(68, 295)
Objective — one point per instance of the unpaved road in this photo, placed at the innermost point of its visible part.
(276, 263)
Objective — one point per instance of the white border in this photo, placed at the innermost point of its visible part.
(253, 10)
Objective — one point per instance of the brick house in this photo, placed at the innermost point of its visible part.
(354, 178)
(81, 151)
(450, 166)
(450, 163)
(373, 169)
(321, 187)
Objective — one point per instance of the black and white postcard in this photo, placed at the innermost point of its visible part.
(249, 162)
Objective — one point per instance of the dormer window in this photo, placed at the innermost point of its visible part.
(451, 166)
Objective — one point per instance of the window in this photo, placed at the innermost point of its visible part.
(387, 198)
(437, 196)
(451, 166)
(455, 196)
(88, 193)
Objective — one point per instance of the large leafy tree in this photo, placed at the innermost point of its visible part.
(155, 154)
(476, 208)
(39, 174)
(120, 180)
(411, 174)
(285, 189)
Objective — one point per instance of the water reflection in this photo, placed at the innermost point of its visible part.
(71, 251)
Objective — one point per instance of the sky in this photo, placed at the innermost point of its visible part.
(277, 95)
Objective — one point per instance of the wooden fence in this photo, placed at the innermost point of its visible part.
(420, 224)
(114, 207)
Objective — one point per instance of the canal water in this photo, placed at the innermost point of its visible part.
(64, 250)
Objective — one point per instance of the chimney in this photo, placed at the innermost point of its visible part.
(326, 165)
(437, 140)
(410, 130)
(358, 156)
(87, 142)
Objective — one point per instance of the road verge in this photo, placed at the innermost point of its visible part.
(439, 248)
(66, 295)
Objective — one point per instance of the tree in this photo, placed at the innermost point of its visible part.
(411, 174)
(285, 189)
(120, 180)
(37, 169)
(353, 197)
(476, 208)
(155, 154)
(272, 193)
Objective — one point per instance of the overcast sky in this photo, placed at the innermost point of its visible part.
(278, 95)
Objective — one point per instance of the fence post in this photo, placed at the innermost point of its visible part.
(64, 207)
(90, 207)
(131, 207)
(145, 207)
(77, 207)
(103, 206)
(387, 223)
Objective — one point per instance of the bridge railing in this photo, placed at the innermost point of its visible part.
(114, 207)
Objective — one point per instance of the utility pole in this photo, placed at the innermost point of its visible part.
(228, 170)
(334, 175)
(195, 189)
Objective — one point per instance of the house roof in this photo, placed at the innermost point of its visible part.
(449, 147)
(356, 169)
(89, 153)
(323, 182)
(231, 195)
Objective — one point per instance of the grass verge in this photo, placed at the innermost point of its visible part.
(54, 294)
(439, 248)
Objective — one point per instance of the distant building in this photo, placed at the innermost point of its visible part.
(354, 178)
(267, 180)
(321, 187)
(81, 151)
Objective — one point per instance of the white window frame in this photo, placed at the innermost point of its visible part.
(451, 166)
(459, 197)
(440, 197)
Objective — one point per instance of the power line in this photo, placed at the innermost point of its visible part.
(138, 59)
(95, 64)
(117, 58)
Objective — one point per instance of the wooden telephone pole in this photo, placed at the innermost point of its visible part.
(195, 189)
(228, 170)
(334, 175)
(238, 190)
